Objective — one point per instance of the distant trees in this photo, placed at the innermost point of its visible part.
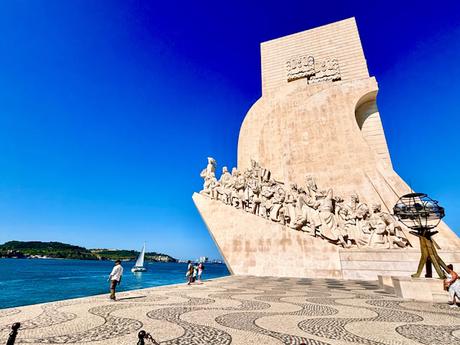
(37, 249)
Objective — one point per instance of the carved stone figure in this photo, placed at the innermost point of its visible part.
(300, 212)
(255, 171)
(255, 188)
(210, 168)
(267, 195)
(349, 220)
(329, 229)
(386, 229)
(312, 188)
(309, 206)
(379, 236)
(239, 187)
(304, 209)
(291, 205)
(226, 183)
(278, 210)
(396, 234)
(209, 186)
(210, 181)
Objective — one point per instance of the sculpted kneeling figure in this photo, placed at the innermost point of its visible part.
(308, 209)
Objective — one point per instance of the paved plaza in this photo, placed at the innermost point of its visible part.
(240, 310)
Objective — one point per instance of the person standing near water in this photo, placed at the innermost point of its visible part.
(115, 278)
(200, 271)
(189, 273)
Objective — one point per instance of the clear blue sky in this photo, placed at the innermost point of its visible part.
(108, 109)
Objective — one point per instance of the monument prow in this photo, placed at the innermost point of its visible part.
(316, 124)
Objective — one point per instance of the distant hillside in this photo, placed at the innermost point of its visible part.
(44, 249)
(110, 254)
(36, 249)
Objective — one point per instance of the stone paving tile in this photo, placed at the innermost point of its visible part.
(240, 310)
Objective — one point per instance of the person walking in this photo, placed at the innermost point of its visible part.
(115, 278)
(189, 273)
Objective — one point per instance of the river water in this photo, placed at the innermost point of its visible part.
(31, 281)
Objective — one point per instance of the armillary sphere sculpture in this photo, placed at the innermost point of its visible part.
(419, 212)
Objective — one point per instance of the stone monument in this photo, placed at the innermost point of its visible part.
(314, 189)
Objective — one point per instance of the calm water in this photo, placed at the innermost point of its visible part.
(30, 281)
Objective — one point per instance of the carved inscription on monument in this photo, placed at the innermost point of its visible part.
(305, 66)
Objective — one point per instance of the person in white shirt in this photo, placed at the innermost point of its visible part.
(115, 278)
(200, 271)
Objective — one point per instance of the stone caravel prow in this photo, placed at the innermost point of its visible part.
(318, 117)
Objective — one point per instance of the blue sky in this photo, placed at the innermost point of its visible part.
(108, 109)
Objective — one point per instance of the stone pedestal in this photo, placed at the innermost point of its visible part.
(419, 289)
(386, 283)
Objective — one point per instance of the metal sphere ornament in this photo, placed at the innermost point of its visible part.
(419, 212)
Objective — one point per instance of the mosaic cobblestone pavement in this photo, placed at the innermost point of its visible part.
(240, 310)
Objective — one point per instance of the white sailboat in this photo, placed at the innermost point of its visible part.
(139, 265)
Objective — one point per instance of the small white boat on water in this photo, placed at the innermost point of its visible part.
(139, 265)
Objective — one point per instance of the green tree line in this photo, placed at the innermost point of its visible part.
(21, 249)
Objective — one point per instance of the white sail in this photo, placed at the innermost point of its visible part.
(140, 258)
